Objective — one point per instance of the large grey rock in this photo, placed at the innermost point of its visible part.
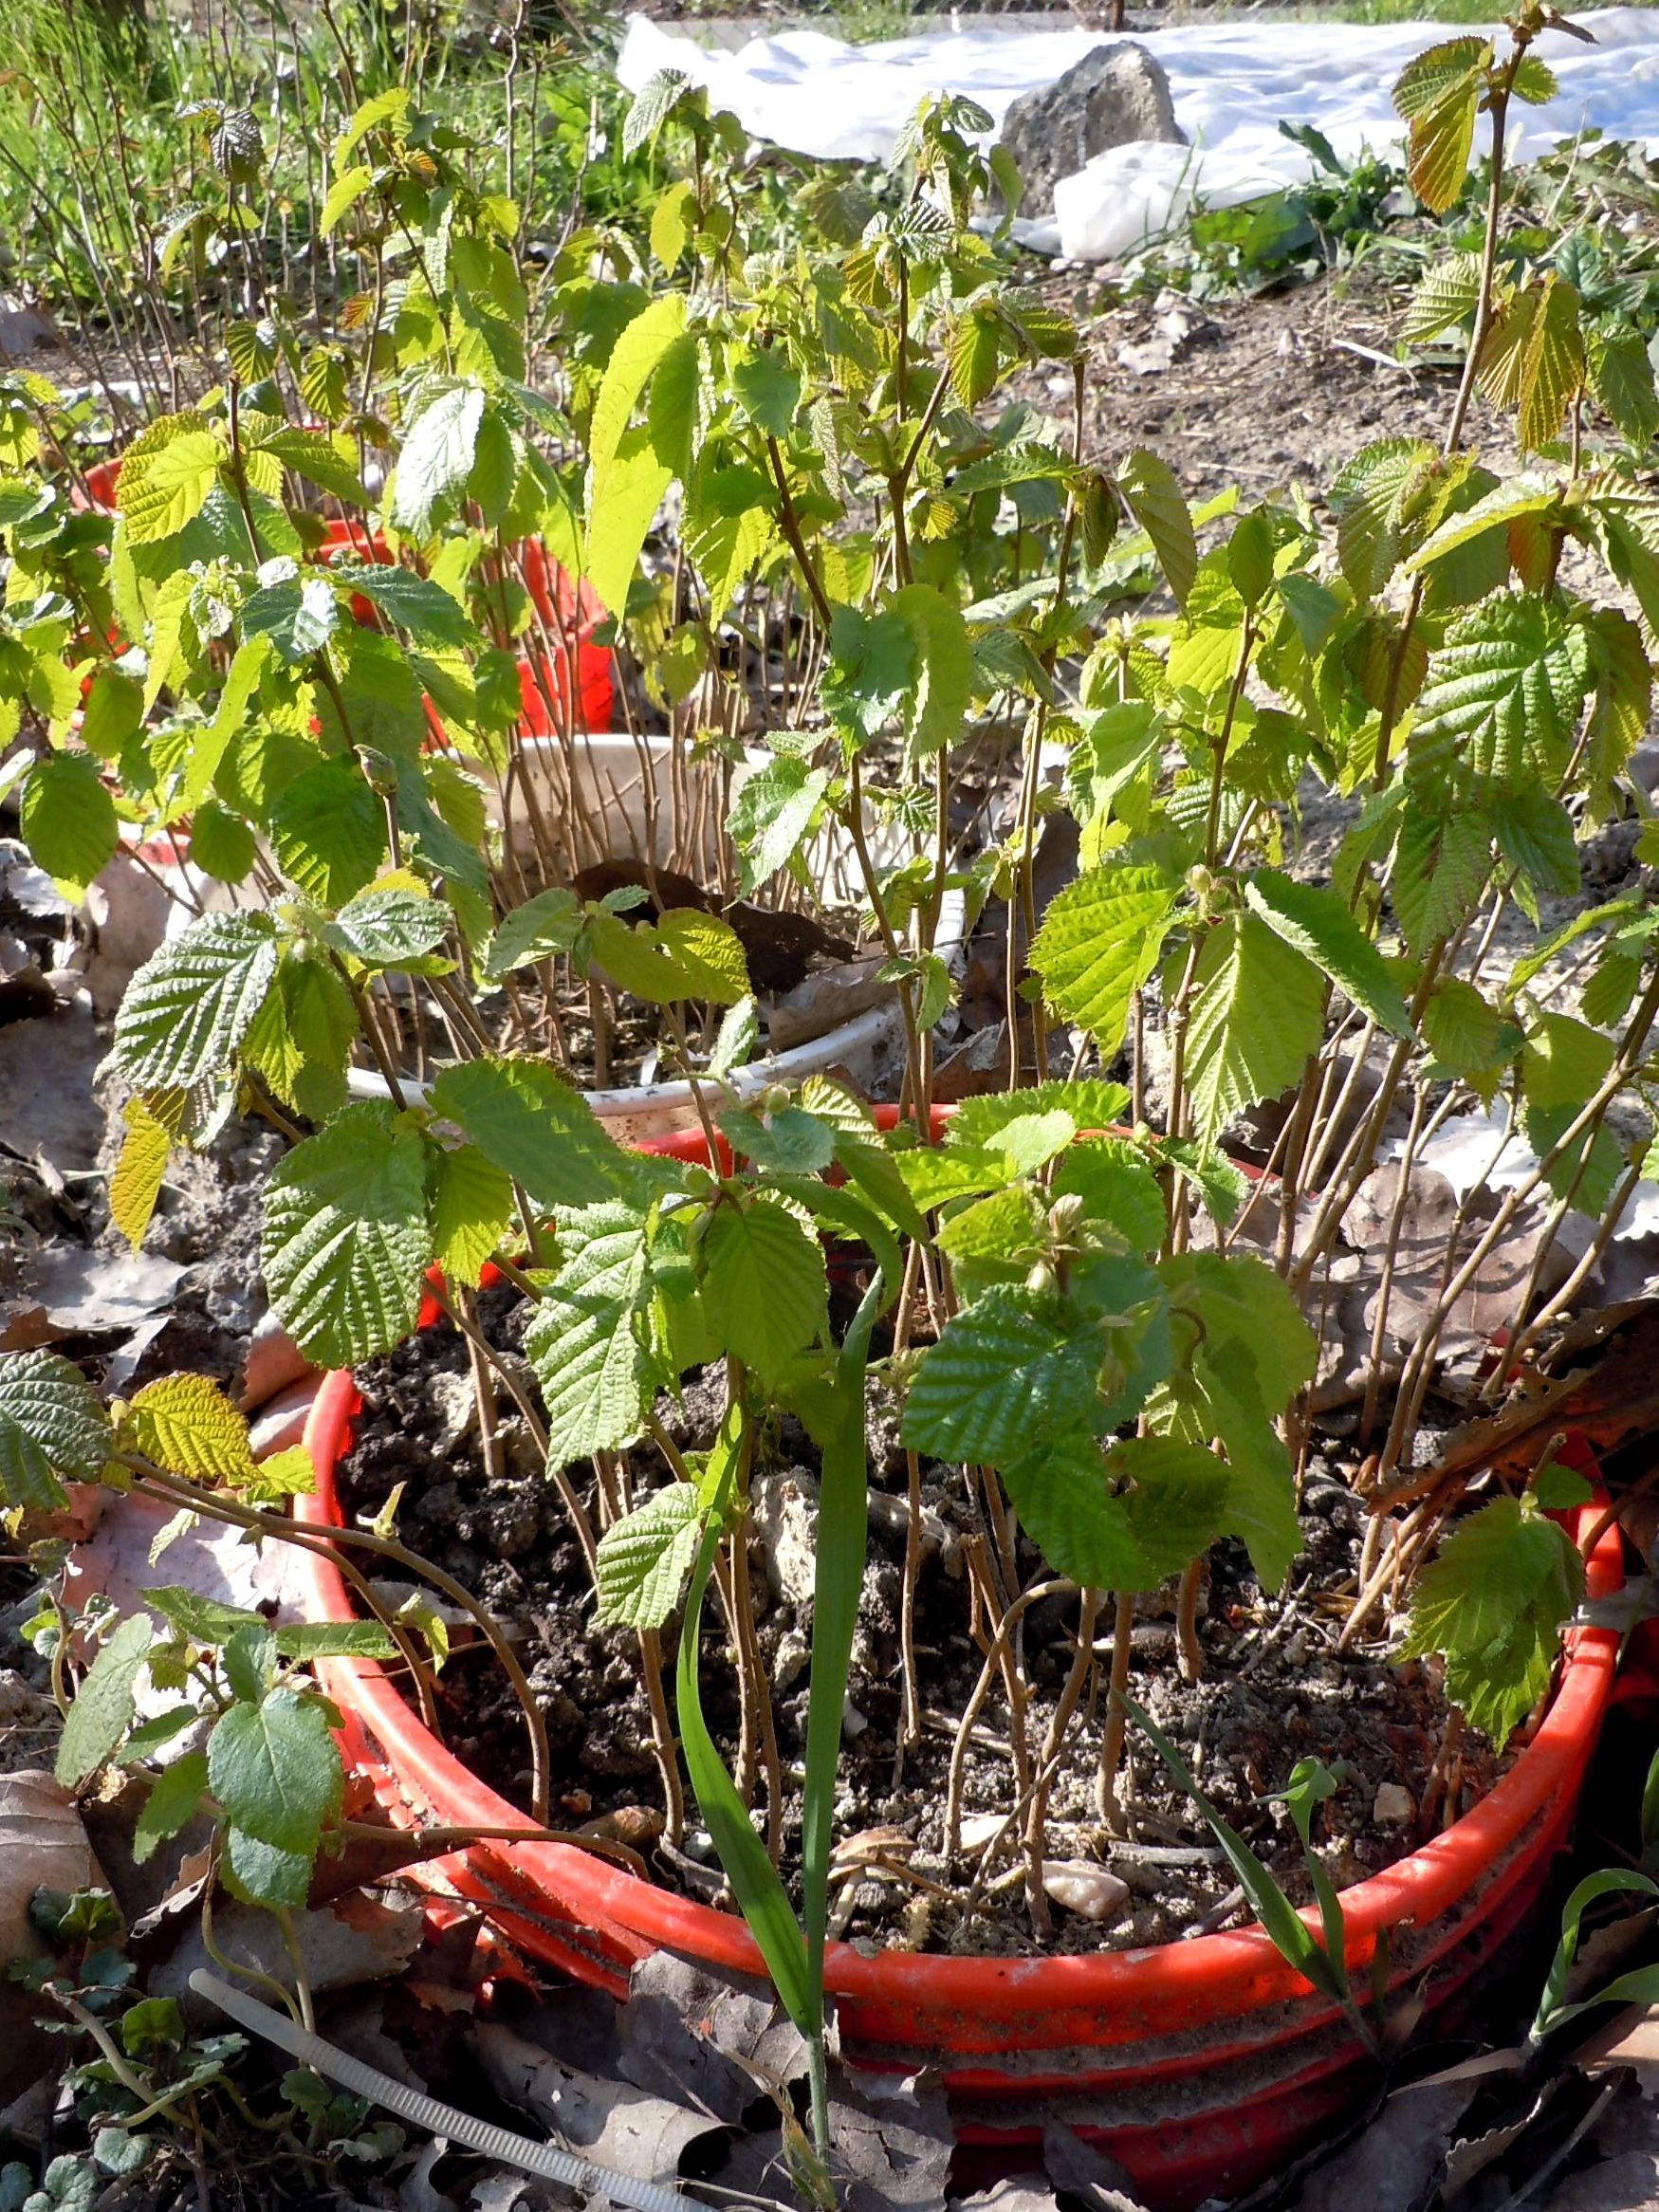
(1116, 96)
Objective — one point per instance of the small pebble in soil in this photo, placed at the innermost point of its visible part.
(1392, 1806)
(1084, 1889)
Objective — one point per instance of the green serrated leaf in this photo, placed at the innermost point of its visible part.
(306, 1641)
(1257, 1014)
(471, 1211)
(222, 845)
(298, 617)
(1553, 367)
(436, 459)
(535, 1129)
(52, 1426)
(430, 615)
(329, 832)
(766, 1291)
(1621, 378)
(344, 1237)
(1013, 1360)
(1154, 499)
(103, 1704)
(547, 924)
(68, 821)
(1124, 1520)
(644, 1559)
(582, 1340)
(1100, 940)
(1492, 1601)
(651, 105)
(275, 1768)
(1321, 927)
(1092, 1105)
(171, 1804)
(1467, 1035)
(787, 1141)
(772, 811)
(1439, 870)
(301, 1036)
(389, 929)
(1507, 688)
(973, 342)
(1438, 93)
(188, 1008)
(1447, 295)
(167, 472)
(1117, 1188)
(258, 1873)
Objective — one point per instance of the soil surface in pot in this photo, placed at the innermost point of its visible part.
(1273, 1690)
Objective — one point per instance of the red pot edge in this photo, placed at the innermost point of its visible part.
(1023, 2004)
(543, 575)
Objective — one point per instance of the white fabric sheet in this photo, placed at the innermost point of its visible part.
(1232, 84)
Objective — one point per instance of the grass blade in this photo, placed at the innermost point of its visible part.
(843, 1522)
(1288, 1932)
(1551, 2013)
(760, 1893)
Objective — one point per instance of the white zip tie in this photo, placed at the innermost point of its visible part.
(546, 2159)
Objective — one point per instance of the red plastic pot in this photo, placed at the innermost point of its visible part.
(1200, 2066)
(569, 613)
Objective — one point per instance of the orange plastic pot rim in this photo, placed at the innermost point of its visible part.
(1019, 2003)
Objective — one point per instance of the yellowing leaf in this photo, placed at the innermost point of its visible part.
(1553, 365)
(710, 953)
(671, 227)
(1438, 93)
(634, 357)
(136, 1184)
(344, 192)
(166, 474)
(620, 512)
(185, 1424)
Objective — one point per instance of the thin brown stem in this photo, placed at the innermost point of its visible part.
(1107, 1791)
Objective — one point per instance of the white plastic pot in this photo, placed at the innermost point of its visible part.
(609, 794)
(651, 1110)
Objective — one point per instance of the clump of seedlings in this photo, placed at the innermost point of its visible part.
(1099, 1337)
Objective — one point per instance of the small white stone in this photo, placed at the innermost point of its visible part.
(1394, 1806)
(784, 1513)
(456, 1401)
(1084, 1888)
(979, 1827)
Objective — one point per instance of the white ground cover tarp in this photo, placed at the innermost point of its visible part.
(1233, 84)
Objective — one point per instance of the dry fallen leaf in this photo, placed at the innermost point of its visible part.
(43, 1846)
(46, 1106)
(97, 1293)
(690, 2032)
(355, 1940)
(611, 2121)
(820, 1002)
(1390, 2166)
